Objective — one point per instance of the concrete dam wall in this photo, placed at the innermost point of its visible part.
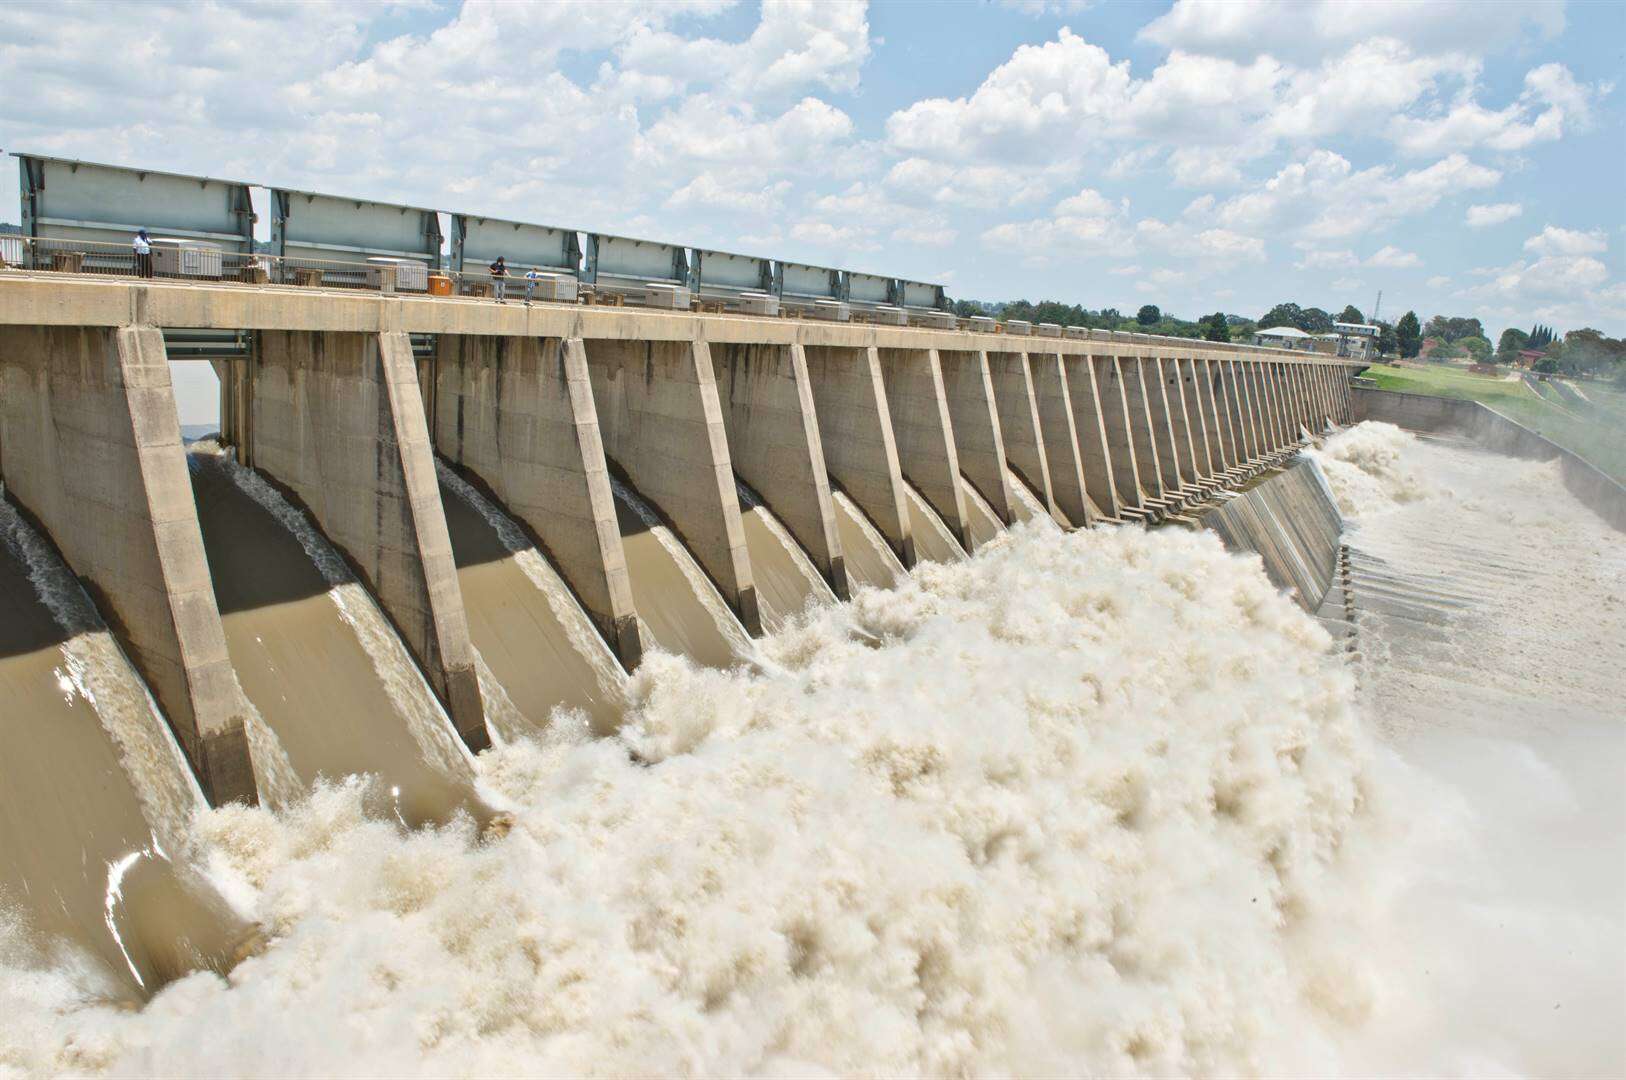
(508, 520)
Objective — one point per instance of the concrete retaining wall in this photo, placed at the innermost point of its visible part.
(1604, 495)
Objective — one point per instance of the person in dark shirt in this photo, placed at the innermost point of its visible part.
(499, 279)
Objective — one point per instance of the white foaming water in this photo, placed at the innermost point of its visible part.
(1074, 805)
(1491, 608)
(1366, 468)
(1095, 802)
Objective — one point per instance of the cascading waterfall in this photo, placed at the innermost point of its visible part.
(675, 599)
(542, 650)
(933, 540)
(787, 581)
(95, 835)
(870, 559)
(336, 689)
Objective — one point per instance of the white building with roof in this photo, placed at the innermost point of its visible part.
(1285, 337)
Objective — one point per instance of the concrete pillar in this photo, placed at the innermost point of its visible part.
(1143, 438)
(1265, 374)
(1163, 430)
(1300, 398)
(1346, 405)
(974, 415)
(855, 428)
(1230, 401)
(1052, 394)
(927, 453)
(1211, 389)
(338, 420)
(1196, 420)
(1087, 398)
(1118, 432)
(1281, 403)
(1259, 400)
(91, 449)
(663, 426)
(775, 445)
(1318, 396)
(518, 413)
(1012, 378)
(1247, 409)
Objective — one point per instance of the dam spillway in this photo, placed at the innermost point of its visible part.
(615, 442)
(849, 849)
(397, 556)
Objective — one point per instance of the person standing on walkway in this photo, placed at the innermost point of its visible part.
(532, 276)
(499, 279)
(142, 244)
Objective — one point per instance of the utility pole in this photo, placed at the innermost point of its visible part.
(1376, 304)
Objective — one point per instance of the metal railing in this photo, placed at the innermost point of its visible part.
(189, 261)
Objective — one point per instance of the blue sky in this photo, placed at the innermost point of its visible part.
(1464, 158)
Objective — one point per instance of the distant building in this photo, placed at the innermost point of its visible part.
(1358, 341)
(1528, 357)
(1285, 337)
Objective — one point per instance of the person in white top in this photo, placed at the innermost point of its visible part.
(143, 253)
(532, 276)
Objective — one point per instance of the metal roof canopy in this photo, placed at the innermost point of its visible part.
(477, 241)
(869, 288)
(919, 294)
(82, 200)
(625, 259)
(799, 279)
(307, 225)
(723, 270)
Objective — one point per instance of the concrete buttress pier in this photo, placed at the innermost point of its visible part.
(1088, 402)
(338, 420)
(968, 386)
(90, 446)
(1119, 432)
(855, 429)
(927, 447)
(663, 425)
(775, 444)
(1052, 393)
(1138, 383)
(518, 413)
(1018, 409)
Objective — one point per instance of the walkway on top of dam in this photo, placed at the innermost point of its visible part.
(48, 299)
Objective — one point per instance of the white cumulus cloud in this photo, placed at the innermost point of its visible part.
(1484, 216)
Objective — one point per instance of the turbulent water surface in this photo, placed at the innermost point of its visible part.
(1092, 802)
